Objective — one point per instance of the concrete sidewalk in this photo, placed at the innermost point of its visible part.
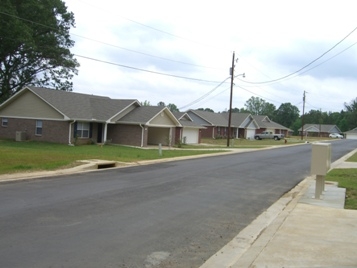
(298, 231)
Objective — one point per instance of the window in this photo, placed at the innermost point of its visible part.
(82, 130)
(4, 122)
(38, 127)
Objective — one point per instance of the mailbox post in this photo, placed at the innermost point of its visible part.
(320, 164)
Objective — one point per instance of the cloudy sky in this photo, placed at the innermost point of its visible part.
(180, 52)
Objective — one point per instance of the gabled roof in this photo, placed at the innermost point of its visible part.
(213, 119)
(78, 106)
(265, 122)
(352, 131)
(144, 114)
(240, 119)
(186, 120)
(320, 128)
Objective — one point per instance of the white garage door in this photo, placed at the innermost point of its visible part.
(351, 136)
(250, 134)
(191, 135)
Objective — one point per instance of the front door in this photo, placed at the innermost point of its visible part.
(100, 133)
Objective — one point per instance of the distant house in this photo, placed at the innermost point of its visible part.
(265, 124)
(43, 114)
(243, 125)
(351, 134)
(318, 130)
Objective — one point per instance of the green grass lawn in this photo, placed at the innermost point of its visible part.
(346, 178)
(32, 156)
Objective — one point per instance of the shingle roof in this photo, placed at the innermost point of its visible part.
(214, 119)
(237, 119)
(143, 114)
(352, 131)
(264, 122)
(320, 127)
(186, 121)
(82, 106)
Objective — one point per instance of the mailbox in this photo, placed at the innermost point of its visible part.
(320, 158)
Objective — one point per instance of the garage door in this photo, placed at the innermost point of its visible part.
(351, 136)
(250, 134)
(191, 135)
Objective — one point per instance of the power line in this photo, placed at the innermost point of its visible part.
(144, 70)
(145, 54)
(108, 44)
(203, 96)
(286, 76)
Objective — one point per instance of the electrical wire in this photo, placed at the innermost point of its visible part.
(115, 46)
(204, 96)
(144, 70)
(307, 65)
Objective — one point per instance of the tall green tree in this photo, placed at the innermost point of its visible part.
(351, 113)
(258, 106)
(172, 107)
(286, 114)
(35, 45)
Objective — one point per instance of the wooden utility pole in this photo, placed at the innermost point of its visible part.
(230, 103)
(302, 118)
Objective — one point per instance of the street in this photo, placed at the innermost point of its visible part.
(174, 214)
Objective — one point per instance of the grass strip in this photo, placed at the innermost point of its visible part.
(346, 178)
(31, 156)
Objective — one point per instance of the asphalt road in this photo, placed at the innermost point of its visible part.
(174, 214)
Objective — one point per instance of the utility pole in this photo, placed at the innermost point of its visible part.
(302, 118)
(230, 102)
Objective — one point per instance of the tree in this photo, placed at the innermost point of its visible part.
(258, 106)
(172, 107)
(161, 103)
(286, 114)
(351, 113)
(34, 46)
(145, 103)
(206, 109)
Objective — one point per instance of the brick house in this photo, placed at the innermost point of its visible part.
(319, 130)
(43, 114)
(266, 124)
(243, 125)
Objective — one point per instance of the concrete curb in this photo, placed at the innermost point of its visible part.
(236, 248)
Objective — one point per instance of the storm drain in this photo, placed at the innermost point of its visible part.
(106, 165)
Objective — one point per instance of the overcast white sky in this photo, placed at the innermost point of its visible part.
(196, 39)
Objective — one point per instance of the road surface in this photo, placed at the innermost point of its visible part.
(174, 214)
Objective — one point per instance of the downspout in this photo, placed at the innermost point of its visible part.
(142, 135)
(70, 132)
(105, 132)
